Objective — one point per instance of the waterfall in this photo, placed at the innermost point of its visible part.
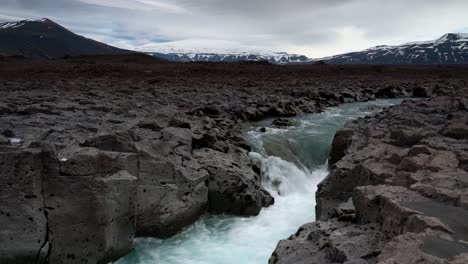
(293, 163)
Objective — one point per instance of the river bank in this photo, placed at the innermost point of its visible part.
(96, 151)
(396, 192)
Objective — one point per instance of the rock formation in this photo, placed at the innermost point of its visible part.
(397, 189)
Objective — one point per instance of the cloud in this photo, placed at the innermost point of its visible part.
(5, 17)
(138, 5)
(313, 27)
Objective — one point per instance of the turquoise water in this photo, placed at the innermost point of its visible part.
(293, 163)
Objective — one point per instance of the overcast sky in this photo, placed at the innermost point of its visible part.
(315, 28)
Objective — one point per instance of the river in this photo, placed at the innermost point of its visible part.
(294, 161)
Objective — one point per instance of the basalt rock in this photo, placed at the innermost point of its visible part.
(422, 91)
(233, 185)
(129, 153)
(170, 197)
(4, 141)
(392, 225)
(172, 193)
(90, 205)
(24, 233)
(281, 122)
(341, 143)
(80, 209)
(400, 172)
(409, 155)
(330, 242)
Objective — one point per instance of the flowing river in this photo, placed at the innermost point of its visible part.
(294, 161)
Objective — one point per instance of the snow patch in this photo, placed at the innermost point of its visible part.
(12, 24)
(18, 24)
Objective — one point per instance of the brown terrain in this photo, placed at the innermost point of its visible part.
(97, 150)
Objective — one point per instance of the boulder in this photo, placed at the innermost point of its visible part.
(281, 122)
(330, 242)
(340, 145)
(354, 242)
(111, 142)
(422, 91)
(4, 140)
(180, 122)
(306, 245)
(172, 189)
(229, 193)
(383, 205)
(388, 92)
(406, 249)
(212, 111)
(233, 185)
(405, 137)
(456, 131)
(419, 149)
(167, 200)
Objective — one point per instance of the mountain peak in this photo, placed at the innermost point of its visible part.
(43, 20)
(43, 38)
(453, 36)
(18, 24)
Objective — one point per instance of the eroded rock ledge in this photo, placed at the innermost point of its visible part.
(397, 191)
(85, 203)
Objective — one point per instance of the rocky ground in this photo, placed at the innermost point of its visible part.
(397, 191)
(95, 151)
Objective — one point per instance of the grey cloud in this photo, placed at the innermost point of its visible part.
(316, 27)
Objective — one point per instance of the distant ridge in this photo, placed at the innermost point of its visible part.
(46, 39)
(451, 48)
(217, 51)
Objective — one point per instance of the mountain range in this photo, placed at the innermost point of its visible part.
(217, 51)
(451, 48)
(47, 39)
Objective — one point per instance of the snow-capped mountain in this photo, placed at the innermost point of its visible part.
(46, 39)
(217, 51)
(451, 48)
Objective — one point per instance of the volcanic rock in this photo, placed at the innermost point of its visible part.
(130, 145)
(400, 172)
